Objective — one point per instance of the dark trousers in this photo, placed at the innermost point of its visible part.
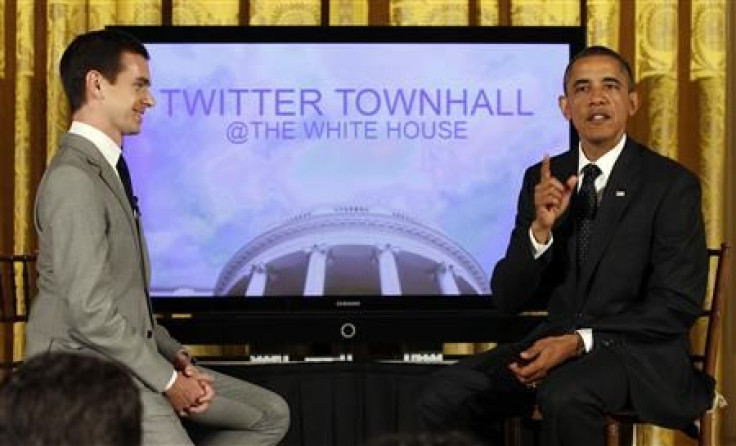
(479, 392)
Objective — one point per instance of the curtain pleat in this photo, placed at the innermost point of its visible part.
(429, 12)
(545, 12)
(604, 17)
(22, 199)
(655, 68)
(206, 12)
(489, 15)
(349, 12)
(286, 12)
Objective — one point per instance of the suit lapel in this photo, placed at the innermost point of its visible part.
(620, 189)
(111, 181)
(106, 172)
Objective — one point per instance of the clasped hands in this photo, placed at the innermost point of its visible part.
(192, 390)
(534, 363)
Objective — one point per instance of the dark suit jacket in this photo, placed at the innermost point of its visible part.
(643, 283)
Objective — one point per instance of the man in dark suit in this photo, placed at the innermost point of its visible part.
(93, 262)
(611, 236)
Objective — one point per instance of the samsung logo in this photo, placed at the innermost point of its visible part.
(347, 303)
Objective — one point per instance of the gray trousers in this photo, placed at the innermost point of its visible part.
(240, 414)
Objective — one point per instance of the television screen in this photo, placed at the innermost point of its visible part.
(309, 161)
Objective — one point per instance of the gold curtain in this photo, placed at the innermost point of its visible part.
(677, 48)
(206, 12)
(287, 12)
(489, 13)
(603, 20)
(655, 69)
(707, 73)
(26, 110)
(429, 12)
(349, 12)
(545, 12)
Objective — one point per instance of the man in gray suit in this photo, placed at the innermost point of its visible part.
(93, 262)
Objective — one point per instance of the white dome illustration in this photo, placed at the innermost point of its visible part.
(351, 250)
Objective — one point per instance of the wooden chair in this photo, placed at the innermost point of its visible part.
(620, 426)
(17, 286)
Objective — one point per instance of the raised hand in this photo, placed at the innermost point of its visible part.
(551, 199)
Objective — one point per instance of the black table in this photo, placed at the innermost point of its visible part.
(341, 403)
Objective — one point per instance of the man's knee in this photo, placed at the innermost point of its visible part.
(448, 395)
(434, 408)
(558, 398)
(276, 415)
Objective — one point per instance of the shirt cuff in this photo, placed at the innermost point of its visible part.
(587, 335)
(171, 381)
(539, 248)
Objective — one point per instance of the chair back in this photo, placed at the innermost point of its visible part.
(17, 287)
(713, 312)
(619, 426)
(17, 284)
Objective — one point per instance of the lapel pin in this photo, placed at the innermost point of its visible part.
(620, 193)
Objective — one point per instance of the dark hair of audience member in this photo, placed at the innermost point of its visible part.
(65, 399)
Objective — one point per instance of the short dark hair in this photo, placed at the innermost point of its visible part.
(66, 399)
(598, 50)
(96, 50)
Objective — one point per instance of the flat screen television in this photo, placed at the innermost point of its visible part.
(340, 167)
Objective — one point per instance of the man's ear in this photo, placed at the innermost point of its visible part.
(93, 84)
(633, 102)
(564, 107)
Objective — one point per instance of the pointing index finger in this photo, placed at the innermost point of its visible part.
(546, 171)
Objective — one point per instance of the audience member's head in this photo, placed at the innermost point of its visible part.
(453, 438)
(63, 399)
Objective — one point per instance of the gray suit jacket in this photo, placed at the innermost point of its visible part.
(93, 269)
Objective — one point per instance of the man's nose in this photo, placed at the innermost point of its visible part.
(149, 100)
(597, 95)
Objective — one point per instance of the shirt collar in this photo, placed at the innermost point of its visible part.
(110, 151)
(605, 163)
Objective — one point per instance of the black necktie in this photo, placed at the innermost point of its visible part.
(122, 168)
(586, 206)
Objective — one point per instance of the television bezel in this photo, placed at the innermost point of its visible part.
(219, 319)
